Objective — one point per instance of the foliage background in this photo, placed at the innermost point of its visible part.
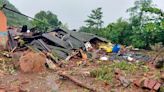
(143, 28)
(13, 18)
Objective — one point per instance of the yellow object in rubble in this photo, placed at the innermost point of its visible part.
(106, 47)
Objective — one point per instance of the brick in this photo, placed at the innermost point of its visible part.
(151, 84)
(145, 84)
(137, 83)
(157, 86)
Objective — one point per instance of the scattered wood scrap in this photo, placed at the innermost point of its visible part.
(77, 82)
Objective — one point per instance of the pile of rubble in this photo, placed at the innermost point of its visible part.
(59, 44)
(56, 45)
(36, 51)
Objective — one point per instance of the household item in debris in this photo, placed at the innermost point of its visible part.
(88, 46)
(130, 59)
(104, 58)
(116, 48)
(106, 47)
(61, 43)
(83, 55)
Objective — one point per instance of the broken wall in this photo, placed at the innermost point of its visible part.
(3, 30)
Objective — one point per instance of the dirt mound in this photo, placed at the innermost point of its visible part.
(32, 62)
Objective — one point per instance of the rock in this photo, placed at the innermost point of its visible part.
(32, 62)
(159, 63)
(117, 71)
(125, 82)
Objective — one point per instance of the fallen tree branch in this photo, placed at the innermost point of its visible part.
(77, 82)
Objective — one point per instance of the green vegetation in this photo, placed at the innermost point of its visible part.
(44, 20)
(144, 27)
(7, 68)
(95, 19)
(47, 21)
(94, 22)
(13, 18)
(106, 72)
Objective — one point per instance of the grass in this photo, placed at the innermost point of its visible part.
(106, 72)
(7, 68)
(6, 64)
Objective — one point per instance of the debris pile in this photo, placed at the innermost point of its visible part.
(60, 43)
(61, 48)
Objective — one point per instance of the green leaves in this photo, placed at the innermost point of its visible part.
(13, 18)
(95, 19)
(47, 20)
(107, 72)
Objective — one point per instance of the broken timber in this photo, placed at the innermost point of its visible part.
(79, 83)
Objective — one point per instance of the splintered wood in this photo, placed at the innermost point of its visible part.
(77, 82)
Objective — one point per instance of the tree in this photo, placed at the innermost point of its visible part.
(137, 16)
(118, 31)
(95, 19)
(138, 19)
(47, 20)
(155, 25)
(13, 18)
(145, 26)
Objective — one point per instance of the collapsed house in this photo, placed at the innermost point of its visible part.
(59, 42)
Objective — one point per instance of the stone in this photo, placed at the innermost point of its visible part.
(125, 82)
(32, 62)
(117, 71)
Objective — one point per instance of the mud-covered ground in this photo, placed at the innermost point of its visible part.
(14, 80)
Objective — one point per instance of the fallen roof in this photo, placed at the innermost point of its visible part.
(59, 41)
